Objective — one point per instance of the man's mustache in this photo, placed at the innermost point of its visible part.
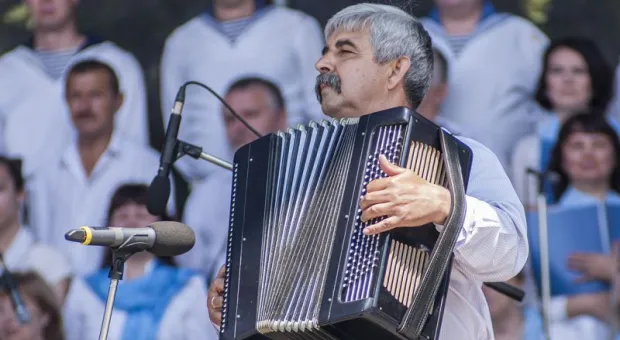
(329, 79)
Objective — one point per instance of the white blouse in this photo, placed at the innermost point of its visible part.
(186, 317)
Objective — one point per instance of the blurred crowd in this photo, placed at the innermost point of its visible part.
(74, 140)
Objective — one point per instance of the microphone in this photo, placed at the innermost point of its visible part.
(160, 238)
(160, 186)
(16, 300)
(159, 190)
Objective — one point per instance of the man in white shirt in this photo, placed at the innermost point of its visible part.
(436, 93)
(76, 190)
(379, 57)
(34, 119)
(260, 103)
(495, 61)
(236, 38)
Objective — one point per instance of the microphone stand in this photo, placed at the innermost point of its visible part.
(184, 148)
(119, 256)
(545, 280)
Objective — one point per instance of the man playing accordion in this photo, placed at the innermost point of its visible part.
(379, 57)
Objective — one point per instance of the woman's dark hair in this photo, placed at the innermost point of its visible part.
(35, 288)
(586, 123)
(601, 73)
(15, 170)
(131, 194)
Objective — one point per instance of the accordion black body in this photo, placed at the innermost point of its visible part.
(298, 265)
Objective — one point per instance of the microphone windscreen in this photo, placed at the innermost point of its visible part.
(157, 195)
(172, 238)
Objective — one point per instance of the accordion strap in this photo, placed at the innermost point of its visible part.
(416, 316)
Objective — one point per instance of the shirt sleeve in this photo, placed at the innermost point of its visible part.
(492, 245)
(73, 318)
(557, 309)
(195, 320)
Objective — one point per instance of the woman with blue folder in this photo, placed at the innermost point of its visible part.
(586, 161)
(575, 77)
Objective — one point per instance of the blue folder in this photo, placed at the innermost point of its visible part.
(576, 229)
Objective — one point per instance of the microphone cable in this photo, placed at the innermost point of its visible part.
(181, 98)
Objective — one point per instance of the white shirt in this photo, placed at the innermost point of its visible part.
(492, 81)
(34, 117)
(65, 198)
(186, 317)
(207, 213)
(492, 247)
(282, 45)
(24, 254)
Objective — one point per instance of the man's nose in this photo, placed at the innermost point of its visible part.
(324, 65)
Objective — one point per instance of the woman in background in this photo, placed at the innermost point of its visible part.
(586, 159)
(18, 247)
(43, 308)
(576, 78)
(155, 300)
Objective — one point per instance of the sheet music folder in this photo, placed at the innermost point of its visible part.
(573, 229)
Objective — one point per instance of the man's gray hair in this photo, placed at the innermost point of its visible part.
(393, 34)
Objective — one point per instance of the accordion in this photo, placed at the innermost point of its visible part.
(298, 265)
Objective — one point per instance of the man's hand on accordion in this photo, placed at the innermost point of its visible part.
(404, 199)
(215, 297)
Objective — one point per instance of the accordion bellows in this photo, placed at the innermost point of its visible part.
(298, 265)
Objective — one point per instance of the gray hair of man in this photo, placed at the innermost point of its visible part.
(393, 34)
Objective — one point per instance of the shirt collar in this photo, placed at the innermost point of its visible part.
(260, 4)
(574, 197)
(487, 10)
(113, 150)
(90, 41)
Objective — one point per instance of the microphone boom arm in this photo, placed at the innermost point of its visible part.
(184, 148)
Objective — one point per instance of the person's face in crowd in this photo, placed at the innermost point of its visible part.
(92, 102)
(500, 305)
(51, 15)
(456, 3)
(569, 86)
(588, 157)
(351, 83)
(231, 3)
(10, 198)
(255, 105)
(11, 329)
(132, 215)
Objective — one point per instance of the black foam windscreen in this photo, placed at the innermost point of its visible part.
(157, 195)
(172, 238)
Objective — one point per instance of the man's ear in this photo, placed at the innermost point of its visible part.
(397, 70)
(120, 99)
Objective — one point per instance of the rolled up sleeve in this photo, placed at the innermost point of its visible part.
(492, 245)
